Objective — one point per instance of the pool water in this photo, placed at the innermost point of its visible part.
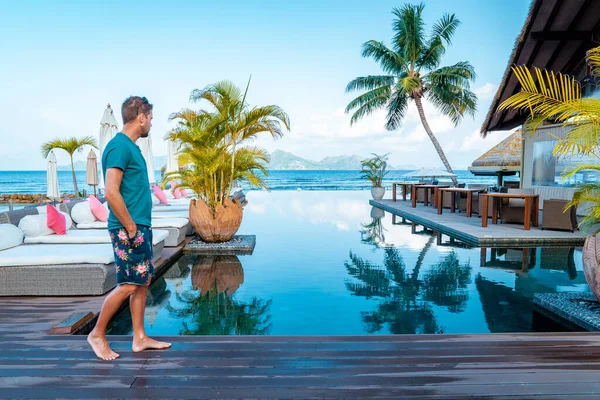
(327, 263)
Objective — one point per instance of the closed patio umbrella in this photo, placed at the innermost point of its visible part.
(172, 162)
(108, 130)
(52, 178)
(91, 175)
(145, 145)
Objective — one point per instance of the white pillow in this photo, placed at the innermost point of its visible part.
(155, 200)
(10, 236)
(82, 213)
(169, 194)
(37, 225)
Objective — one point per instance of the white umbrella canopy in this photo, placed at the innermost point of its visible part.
(91, 175)
(52, 178)
(172, 161)
(145, 144)
(108, 130)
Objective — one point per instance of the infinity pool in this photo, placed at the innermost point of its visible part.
(326, 263)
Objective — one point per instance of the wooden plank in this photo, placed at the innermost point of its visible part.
(71, 323)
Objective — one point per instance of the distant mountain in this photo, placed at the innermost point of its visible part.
(287, 161)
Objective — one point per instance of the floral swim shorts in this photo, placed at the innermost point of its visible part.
(133, 256)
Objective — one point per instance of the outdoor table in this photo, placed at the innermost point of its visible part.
(404, 185)
(453, 191)
(498, 196)
(415, 187)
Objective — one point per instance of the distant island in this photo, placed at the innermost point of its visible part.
(283, 160)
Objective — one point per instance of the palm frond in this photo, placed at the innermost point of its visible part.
(396, 109)
(370, 82)
(368, 102)
(443, 30)
(389, 61)
(409, 32)
(453, 101)
(593, 59)
(556, 97)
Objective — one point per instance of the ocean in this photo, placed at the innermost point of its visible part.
(35, 181)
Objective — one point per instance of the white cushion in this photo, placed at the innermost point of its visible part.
(44, 254)
(93, 225)
(10, 236)
(169, 194)
(82, 213)
(88, 236)
(37, 225)
(155, 200)
(166, 208)
(171, 214)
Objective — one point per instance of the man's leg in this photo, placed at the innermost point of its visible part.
(137, 305)
(97, 338)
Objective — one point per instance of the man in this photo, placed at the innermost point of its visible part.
(127, 190)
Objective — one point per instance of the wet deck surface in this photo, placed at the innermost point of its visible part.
(470, 231)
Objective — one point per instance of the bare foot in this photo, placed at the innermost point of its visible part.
(101, 347)
(148, 344)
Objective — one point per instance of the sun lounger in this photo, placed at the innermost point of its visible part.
(178, 228)
(96, 236)
(57, 270)
(170, 214)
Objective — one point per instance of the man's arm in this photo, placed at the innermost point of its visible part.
(114, 176)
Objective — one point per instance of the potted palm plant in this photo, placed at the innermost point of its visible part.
(373, 169)
(214, 143)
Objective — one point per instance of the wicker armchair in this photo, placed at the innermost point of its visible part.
(555, 217)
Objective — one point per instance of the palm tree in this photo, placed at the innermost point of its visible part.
(558, 98)
(412, 72)
(237, 121)
(70, 145)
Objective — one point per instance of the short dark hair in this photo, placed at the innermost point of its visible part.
(134, 106)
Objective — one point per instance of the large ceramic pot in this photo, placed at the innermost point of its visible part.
(377, 192)
(219, 226)
(591, 258)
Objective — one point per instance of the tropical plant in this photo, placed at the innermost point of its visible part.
(412, 72)
(550, 97)
(70, 145)
(215, 142)
(373, 169)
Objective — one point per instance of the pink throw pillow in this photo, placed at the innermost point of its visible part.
(98, 209)
(56, 221)
(183, 192)
(177, 193)
(160, 194)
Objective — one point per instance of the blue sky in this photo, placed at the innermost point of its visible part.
(64, 61)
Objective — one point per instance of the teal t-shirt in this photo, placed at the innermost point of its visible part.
(121, 152)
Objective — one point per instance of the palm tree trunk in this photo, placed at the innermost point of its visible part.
(434, 140)
(421, 258)
(74, 179)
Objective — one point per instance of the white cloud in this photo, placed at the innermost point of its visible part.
(486, 92)
(476, 142)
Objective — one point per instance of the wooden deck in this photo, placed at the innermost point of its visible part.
(470, 231)
(540, 366)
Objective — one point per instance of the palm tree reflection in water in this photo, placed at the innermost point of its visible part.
(404, 299)
(210, 309)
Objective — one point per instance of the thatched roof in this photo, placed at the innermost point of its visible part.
(555, 36)
(505, 156)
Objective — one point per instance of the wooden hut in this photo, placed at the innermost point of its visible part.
(502, 160)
